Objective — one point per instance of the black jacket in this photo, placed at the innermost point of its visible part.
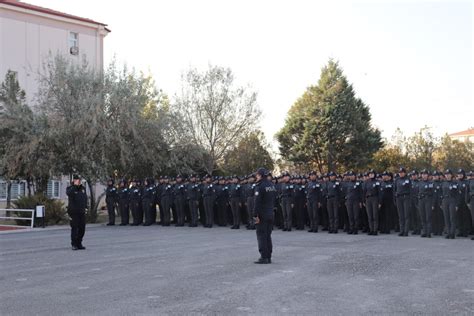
(77, 199)
(265, 193)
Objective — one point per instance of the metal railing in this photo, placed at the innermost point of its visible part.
(32, 218)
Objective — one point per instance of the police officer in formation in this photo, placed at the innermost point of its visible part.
(263, 215)
(111, 200)
(424, 203)
(76, 209)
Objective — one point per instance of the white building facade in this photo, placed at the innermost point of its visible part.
(29, 35)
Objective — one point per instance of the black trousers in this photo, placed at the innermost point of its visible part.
(148, 206)
(353, 209)
(78, 228)
(313, 206)
(111, 211)
(135, 206)
(299, 211)
(124, 211)
(425, 207)
(449, 212)
(179, 204)
(209, 210)
(165, 213)
(193, 210)
(264, 237)
(404, 208)
(287, 212)
(250, 206)
(333, 211)
(222, 212)
(235, 206)
(372, 206)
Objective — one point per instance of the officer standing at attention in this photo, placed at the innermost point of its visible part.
(124, 203)
(463, 215)
(402, 194)
(314, 199)
(373, 201)
(166, 201)
(450, 203)
(135, 201)
(209, 197)
(111, 197)
(425, 202)
(438, 222)
(249, 201)
(235, 196)
(333, 194)
(387, 210)
(148, 202)
(286, 200)
(192, 195)
(77, 203)
(353, 196)
(470, 198)
(179, 193)
(263, 215)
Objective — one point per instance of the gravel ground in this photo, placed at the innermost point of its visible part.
(181, 270)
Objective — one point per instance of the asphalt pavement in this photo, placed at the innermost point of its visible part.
(181, 271)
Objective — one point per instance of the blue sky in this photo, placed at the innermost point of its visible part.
(410, 61)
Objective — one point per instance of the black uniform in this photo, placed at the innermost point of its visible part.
(333, 195)
(148, 204)
(353, 199)
(222, 201)
(414, 212)
(373, 198)
(464, 217)
(124, 205)
(402, 195)
(470, 202)
(135, 205)
(425, 205)
(77, 204)
(438, 221)
(235, 198)
(388, 215)
(264, 203)
(179, 194)
(111, 198)
(166, 202)
(286, 200)
(209, 198)
(299, 197)
(250, 203)
(450, 204)
(314, 199)
(192, 195)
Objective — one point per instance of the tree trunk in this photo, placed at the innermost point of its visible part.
(93, 204)
(42, 185)
(29, 185)
(9, 194)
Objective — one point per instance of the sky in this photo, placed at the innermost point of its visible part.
(411, 62)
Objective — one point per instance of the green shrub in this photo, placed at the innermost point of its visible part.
(54, 209)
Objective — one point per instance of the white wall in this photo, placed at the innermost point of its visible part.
(27, 39)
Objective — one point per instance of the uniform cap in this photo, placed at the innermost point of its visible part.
(262, 171)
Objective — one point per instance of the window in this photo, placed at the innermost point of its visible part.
(73, 43)
(3, 190)
(53, 190)
(18, 190)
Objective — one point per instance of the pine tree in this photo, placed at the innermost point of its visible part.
(328, 126)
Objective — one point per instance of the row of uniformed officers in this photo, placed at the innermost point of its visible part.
(424, 203)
